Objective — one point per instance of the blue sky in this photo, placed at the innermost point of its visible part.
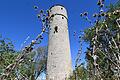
(18, 20)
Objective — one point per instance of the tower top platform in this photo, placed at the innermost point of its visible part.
(58, 9)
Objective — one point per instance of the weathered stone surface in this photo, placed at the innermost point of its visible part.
(59, 57)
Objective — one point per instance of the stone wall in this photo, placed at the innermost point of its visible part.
(59, 57)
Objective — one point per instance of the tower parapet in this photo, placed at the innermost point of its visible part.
(58, 10)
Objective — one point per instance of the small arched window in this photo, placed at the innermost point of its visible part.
(56, 29)
(61, 8)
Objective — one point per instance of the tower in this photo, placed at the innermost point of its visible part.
(59, 65)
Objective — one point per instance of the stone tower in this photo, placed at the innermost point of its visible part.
(59, 57)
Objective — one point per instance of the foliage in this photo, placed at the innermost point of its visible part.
(33, 65)
(80, 73)
(106, 45)
(7, 53)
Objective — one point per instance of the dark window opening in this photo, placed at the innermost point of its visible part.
(61, 8)
(51, 53)
(56, 29)
(52, 15)
(62, 17)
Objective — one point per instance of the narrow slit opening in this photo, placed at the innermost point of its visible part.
(56, 29)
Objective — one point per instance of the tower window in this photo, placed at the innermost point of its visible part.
(56, 29)
(61, 8)
(62, 17)
(52, 15)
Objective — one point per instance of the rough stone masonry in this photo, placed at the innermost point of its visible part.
(59, 65)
